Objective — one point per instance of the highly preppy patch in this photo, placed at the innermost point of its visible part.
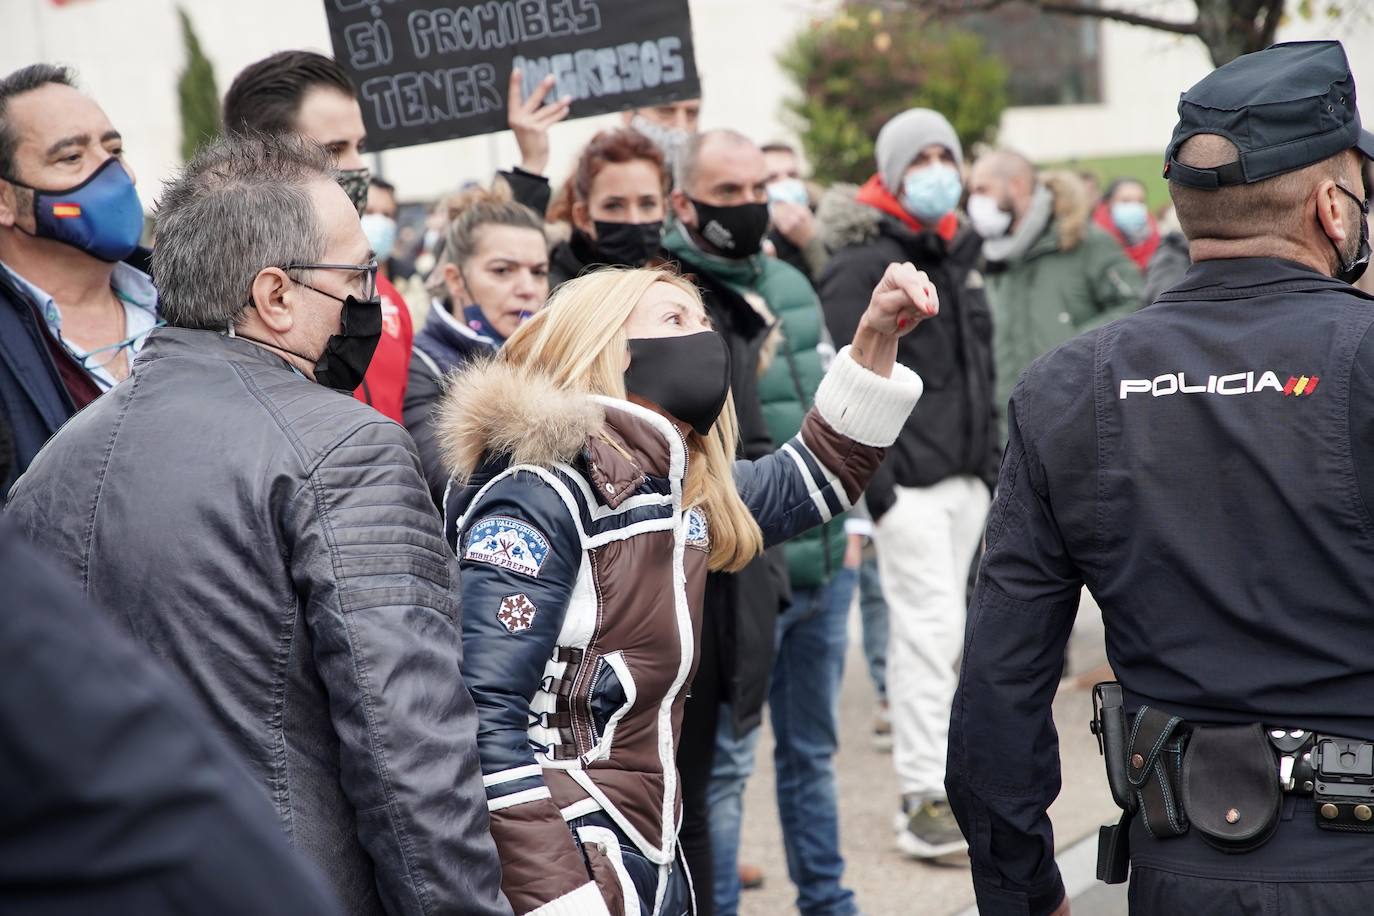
(508, 543)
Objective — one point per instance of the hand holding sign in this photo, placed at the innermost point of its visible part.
(431, 70)
(531, 119)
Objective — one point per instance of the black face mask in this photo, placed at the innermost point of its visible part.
(627, 244)
(689, 377)
(735, 232)
(1351, 271)
(346, 355)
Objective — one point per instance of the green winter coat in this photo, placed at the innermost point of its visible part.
(788, 380)
(1073, 278)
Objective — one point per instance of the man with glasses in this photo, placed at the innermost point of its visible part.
(308, 95)
(290, 564)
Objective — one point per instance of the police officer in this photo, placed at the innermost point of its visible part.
(1206, 468)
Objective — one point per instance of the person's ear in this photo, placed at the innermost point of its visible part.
(1331, 211)
(682, 207)
(12, 202)
(582, 218)
(457, 289)
(274, 299)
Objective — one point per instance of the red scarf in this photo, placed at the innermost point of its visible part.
(876, 195)
(1140, 252)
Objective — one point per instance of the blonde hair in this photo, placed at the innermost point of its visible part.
(579, 341)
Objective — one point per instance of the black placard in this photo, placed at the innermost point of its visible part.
(428, 70)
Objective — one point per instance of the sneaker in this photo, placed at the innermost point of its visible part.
(926, 829)
(882, 727)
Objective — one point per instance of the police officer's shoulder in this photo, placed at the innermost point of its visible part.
(1058, 387)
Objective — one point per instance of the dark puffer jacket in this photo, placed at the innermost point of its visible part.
(583, 582)
(273, 542)
(444, 344)
(953, 430)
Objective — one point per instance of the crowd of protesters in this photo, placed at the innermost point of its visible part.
(498, 632)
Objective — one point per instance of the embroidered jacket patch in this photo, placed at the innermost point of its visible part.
(508, 543)
(516, 613)
(698, 531)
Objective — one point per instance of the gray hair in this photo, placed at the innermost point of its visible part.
(241, 205)
(689, 164)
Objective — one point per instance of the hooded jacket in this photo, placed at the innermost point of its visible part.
(271, 541)
(582, 579)
(953, 430)
(1071, 278)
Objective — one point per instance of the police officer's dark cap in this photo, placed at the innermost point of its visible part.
(1285, 108)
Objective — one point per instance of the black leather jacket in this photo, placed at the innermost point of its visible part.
(274, 542)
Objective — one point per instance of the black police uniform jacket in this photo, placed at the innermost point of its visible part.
(1206, 468)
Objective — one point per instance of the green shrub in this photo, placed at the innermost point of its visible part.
(196, 93)
(858, 69)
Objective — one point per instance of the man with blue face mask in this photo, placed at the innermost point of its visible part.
(76, 301)
(930, 497)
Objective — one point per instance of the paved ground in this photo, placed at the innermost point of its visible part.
(887, 884)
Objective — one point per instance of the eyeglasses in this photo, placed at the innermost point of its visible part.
(370, 269)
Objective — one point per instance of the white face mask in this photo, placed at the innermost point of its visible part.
(987, 216)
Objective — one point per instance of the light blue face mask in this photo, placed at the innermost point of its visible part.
(932, 192)
(789, 191)
(1132, 218)
(380, 230)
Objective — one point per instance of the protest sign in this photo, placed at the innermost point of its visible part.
(428, 70)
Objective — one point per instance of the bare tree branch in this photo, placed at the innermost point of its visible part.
(1063, 7)
(1099, 12)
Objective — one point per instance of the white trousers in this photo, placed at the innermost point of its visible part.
(925, 543)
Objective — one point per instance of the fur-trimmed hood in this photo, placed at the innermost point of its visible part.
(494, 410)
(1071, 207)
(843, 221)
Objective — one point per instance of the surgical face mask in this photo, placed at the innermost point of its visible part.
(627, 244)
(672, 141)
(687, 376)
(101, 216)
(932, 191)
(1132, 218)
(735, 232)
(380, 230)
(355, 182)
(987, 216)
(1352, 270)
(789, 191)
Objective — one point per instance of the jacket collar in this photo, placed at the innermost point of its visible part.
(741, 272)
(167, 342)
(1243, 278)
(876, 195)
(447, 340)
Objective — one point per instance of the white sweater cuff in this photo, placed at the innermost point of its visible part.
(860, 526)
(585, 901)
(863, 405)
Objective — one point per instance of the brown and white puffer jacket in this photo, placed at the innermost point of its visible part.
(582, 583)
